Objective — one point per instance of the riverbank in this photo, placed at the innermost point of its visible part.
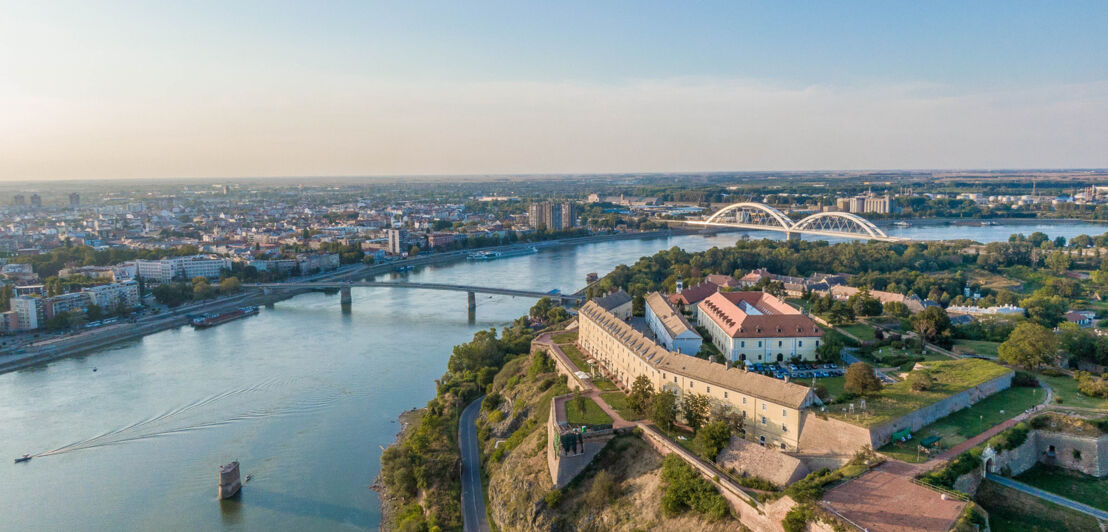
(93, 340)
(391, 504)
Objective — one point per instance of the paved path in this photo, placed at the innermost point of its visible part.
(474, 516)
(1046, 495)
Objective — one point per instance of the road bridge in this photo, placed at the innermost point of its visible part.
(759, 216)
(472, 291)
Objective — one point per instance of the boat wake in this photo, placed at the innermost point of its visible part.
(212, 411)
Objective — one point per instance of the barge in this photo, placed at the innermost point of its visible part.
(493, 255)
(213, 319)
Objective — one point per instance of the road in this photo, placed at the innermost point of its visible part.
(474, 516)
(1046, 495)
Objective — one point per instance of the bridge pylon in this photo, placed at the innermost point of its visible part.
(345, 298)
(472, 301)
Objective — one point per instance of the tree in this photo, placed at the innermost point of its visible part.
(897, 309)
(831, 348)
(413, 251)
(930, 323)
(663, 410)
(1046, 310)
(229, 285)
(695, 408)
(1059, 261)
(1030, 345)
(713, 438)
(920, 380)
(861, 380)
(642, 392)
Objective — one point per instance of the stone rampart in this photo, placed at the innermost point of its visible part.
(882, 434)
(564, 464)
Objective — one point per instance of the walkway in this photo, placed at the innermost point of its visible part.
(474, 515)
(1046, 495)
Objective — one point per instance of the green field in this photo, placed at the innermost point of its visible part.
(896, 400)
(834, 385)
(592, 414)
(969, 422)
(1069, 484)
(575, 356)
(860, 330)
(565, 337)
(618, 401)
(979, 347)
(1065, 387)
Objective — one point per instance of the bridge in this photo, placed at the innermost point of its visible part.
(472, 291)
(759, 216)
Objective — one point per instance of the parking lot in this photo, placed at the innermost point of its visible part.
(800, 370)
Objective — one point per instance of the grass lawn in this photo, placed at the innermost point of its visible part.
(1011, 510)
(592, 415)
(1069, 484)
(969, 422)
(565, 337)
(834, 385)
(860, 330)
(800, 304)
(1065, 387)
(604, 384)
(618, 401)
(896, 400)
(980, 347)
(575, 356)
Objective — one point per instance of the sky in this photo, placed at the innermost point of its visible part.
(106, 90)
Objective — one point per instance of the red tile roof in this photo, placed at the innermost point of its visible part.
(694, 294)
(777, 319)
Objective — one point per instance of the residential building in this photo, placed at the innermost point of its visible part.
(772, 407)
(913, 302)
(440, 240)
(110, 296)
(29, 311)
(74, 200)
(36, 201)
(396, 241)
(758, 327)
(181, 268)
(65, 303)
(688, 298)
(671, 330)
(552, 216)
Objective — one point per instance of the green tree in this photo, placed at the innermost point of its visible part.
(695, 408)
(663, 410)
(413, 251)
(229, 285)
(921, 380)
(897, 309)
(713, 438)
(861, 380)
(642, 392)
(1059, 261)
(1046, 310)
(830, 348)
(930, 323)
(1030, 345)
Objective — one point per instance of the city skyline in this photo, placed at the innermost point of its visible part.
(250, 90)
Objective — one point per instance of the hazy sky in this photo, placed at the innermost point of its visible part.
(238, 88)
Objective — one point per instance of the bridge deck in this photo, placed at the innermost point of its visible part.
(418, 286)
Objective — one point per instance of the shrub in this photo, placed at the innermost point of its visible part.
(861, 380)
(1011, 438)
(604, 489)
(496, 416)
(798, 518)
(920, 381)
(492, 401)
(686, 490)
(553, 498)
(1024, 379)
(713, 438)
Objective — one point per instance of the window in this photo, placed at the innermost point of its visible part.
(691, 383)
(763, 420)
(817, 343)
(759, 343)
(742, 343)
(780, 343)
(725, 395)
(784, 428)
(784, 413)
(782, 446)
(763, 407)
(762, 441)
(744, 400)
(675, 378)
(707, 389)
(800, 343)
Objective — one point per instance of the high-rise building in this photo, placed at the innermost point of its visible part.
(74, 200)
(29, 312)
(36, 201)
(552, 216)
(19, 200)
(396, 240)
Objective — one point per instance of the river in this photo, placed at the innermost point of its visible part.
(303, 395)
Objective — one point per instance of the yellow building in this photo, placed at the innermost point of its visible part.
(772, 407)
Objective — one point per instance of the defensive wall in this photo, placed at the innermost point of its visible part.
(1045, 447)
(569, 450)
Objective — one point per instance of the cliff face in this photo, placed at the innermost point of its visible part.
(519, 485)
(627, 496)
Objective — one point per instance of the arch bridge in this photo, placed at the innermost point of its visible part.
(759, 216)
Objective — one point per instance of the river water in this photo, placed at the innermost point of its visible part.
(303, 395)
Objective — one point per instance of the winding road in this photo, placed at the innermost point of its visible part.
(474, 516)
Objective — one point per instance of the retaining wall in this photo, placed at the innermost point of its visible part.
(882, 434)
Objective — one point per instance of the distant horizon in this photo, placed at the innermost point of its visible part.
(119, 90)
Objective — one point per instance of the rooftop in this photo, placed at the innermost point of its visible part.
(757, 315)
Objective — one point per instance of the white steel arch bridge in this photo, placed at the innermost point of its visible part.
(759, 216)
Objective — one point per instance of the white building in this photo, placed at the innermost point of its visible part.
(29, 311)
(671, 329)
(109, 296)
(183, 268)
(758, 327)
